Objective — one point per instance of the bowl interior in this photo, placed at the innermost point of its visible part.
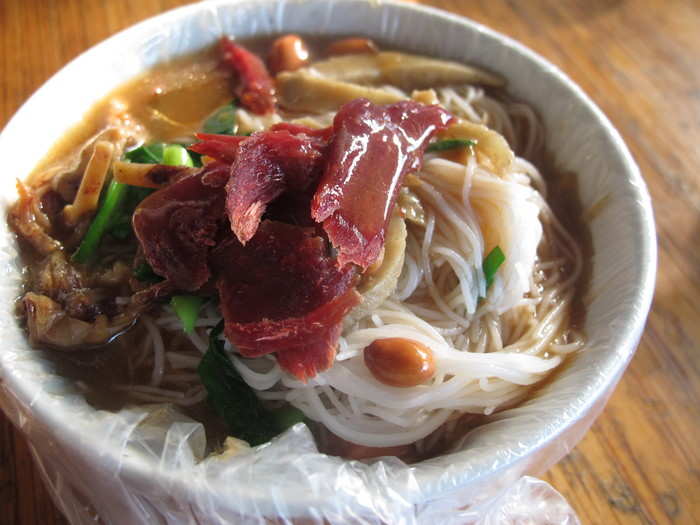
(579, 137)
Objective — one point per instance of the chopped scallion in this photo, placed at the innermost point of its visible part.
(492, 262)
(187, 309)
(176, 155)
(111, 203)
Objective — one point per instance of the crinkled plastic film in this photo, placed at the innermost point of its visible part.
(147, 464)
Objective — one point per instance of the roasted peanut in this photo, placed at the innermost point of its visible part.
(400, 362)
(351, 46)
(287, 53)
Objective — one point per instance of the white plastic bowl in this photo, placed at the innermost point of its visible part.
(99, 460)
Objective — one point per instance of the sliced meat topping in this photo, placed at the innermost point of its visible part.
(269, 164)
(177, 226)
(255, 89)
(306, 360)
(283, 292)
(372, 149)
(223, 148)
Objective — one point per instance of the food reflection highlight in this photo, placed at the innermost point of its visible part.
(358, 242)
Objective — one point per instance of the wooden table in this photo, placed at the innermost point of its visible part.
(639, 61)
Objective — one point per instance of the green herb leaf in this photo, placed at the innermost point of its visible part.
(109, 208)
(146, 154)
(286, 417)
(144, 273)
(492, 262)
(222, 121)
(236, 403)
(448, 144)
(187, 309)
(176, 155)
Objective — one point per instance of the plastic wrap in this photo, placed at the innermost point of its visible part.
(147, 465)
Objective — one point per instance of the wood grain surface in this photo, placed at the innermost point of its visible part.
(639, 61)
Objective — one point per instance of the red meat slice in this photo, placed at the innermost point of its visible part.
(372, 149)
(255, 89)
(177, 226)
(223, 148)
(283, 292)
(305, 361)
(267, 165)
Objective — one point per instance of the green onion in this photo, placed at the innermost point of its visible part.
(448, 144)
(160, 153)
(111, 204)
(144, 273)
(176, 155)
(235, 402)
(120, 227)
(492, 262)
(187, 309)
(222, 121)
(146, 154)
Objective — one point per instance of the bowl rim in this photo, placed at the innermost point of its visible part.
(140, 466)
